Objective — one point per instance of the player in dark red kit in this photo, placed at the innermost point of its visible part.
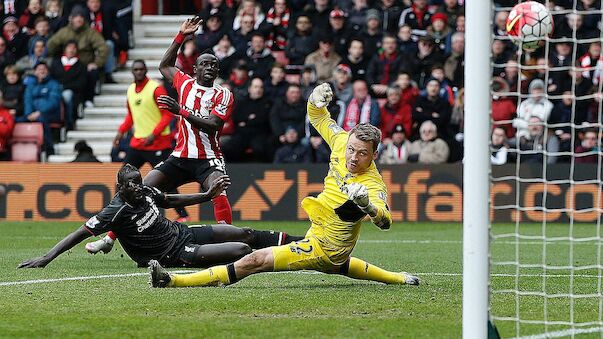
(202, 108)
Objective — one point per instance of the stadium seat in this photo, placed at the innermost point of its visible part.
(280, 57)
(27, 141)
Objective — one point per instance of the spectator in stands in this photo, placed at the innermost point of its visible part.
(92, 49)
(355, 59)
(498, 56)
(440, 32)
(27, 20)
(276, 86)
(341, 83)
(26, 64)
(536, 140)
(429, 149)
(561, 56)
(102, 18)
(457, 118)
(561, 115)
(15, 39)
(592, 21)
(514, 79)
(251, 116)
(6, 56)
(361, 109)
(217, 7)
(302, 42)
(54, 13)
(307, 81)
(319, 150)
(417, 16)
(390, 14)
(371, 34)
(500, 24)
(446, 90)
(185, 61)
(289, 111)
(71, 73)
(212, 32)
(581, 88)
(358, 14)
(574, 27)
(384, 67)
(426, 57)
(454, 67)
(241, 37)
(591, 59)
(319, 15)
(396, 149)
(395, 112)
(536, 105)
(278, 20)
(337, 29)
(503, 108)
(406, 44)
(432, 107)
(7, 123)
(226, 54)
(460, 23)
(410, 93)
(452, 10)
(42, 103)
(259, 58)
(249, 7)
(12, 90)
(292, 151)
(83, 152)
(324, 59)
(239, 80)
(589, 144)
(41, 31)
(498, 146)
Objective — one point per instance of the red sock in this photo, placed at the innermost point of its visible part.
(222, 210)
(111, 235)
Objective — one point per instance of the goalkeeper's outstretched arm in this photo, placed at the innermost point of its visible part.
(320, 117)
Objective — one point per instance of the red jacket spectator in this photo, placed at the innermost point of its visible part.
(503, 108)
(7, 123)
(395, 112)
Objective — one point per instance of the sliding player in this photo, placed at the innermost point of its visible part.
(146, 234)
(353, 189)
(202, 108)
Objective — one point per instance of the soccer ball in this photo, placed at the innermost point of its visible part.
(528, 24)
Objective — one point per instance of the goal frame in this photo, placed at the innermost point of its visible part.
(476, 168)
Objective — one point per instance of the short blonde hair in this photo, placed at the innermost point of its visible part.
(368, 133)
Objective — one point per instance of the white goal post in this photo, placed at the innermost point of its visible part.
(476, 168)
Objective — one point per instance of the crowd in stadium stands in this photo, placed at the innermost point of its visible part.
(397, 64)
(54, 55)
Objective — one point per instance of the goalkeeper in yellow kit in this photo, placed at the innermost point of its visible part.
(353, 189)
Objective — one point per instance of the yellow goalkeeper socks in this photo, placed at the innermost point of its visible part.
(360, 269)
(213, 276)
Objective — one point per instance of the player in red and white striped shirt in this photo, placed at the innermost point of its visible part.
(202, 107)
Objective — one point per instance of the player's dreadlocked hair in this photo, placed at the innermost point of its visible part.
(123, 173)
(367, 132)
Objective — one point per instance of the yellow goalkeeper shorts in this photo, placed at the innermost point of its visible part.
(306, 254)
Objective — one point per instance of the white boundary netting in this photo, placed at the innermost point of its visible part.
(546, 264)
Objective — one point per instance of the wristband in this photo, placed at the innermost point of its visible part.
(179, 39)
(184, 113)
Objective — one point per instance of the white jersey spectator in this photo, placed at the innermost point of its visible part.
(534, 106)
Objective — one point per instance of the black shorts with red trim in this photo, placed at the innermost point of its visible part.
(183, 170)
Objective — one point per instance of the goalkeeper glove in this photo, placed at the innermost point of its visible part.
(321, 95)
(358, 193)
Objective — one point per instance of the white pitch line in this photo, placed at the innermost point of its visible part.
(564, 333)
(137, 274)
(415, 241)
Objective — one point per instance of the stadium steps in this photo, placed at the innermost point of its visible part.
(153, 35)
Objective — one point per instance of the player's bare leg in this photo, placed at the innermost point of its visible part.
(222, 209)
(155, 178)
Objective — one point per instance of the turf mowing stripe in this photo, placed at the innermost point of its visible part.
(564, 333)
(125, 275)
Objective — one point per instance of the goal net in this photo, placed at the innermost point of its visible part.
(545, 207)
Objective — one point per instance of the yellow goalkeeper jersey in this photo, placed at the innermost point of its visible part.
(335, 219)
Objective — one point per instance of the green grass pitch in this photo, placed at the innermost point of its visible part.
(284, 304)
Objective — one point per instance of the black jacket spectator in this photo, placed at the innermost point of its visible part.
(299, 46)
(320, 18)
(285, 114)
(16, 40)
(432, 107)
(107, 20)
(13, 96)
(384, 70)
(217, 7)
(259, 63)
(73, 77)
